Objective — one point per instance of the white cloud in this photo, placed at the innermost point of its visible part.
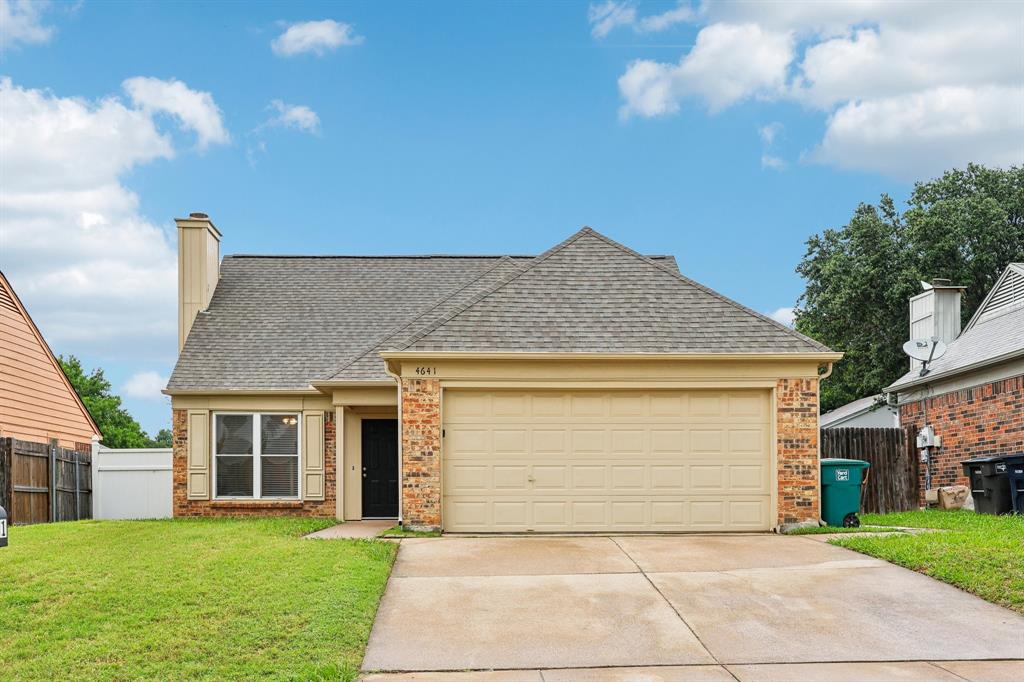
(938, 128)
(728, 63)
(318, 37)
(906, 88)
(604, 17)
(21, 23)
(769, 132)
(145, 386)
(785, 316)
(194, 110)
(99, 278)
(296, 116)
(659, 22)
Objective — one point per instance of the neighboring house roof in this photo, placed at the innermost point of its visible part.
(851, 410)
(40, 403)
(993, 335)
(280, 323)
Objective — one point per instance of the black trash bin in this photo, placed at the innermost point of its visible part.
(1015, 473)
(990, 486)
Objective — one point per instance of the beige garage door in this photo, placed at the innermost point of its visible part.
(599, 461)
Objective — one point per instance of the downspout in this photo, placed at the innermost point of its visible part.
(821, 377)
(401, 471)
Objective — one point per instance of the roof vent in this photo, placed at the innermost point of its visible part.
(203, 216)
(936, 282)
(1008, 295)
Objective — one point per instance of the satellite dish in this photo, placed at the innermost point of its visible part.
(924, 351)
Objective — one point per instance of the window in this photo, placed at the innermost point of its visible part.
(256, 455)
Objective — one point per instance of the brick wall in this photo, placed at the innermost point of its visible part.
(421, 453)
(186, 507)
(981, 421)
(798, 459)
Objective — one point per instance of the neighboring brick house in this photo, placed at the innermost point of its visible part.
(973, 396)
(589, 388)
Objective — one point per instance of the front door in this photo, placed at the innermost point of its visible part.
(380, 468)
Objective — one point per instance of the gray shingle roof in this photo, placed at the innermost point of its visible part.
(590, 294)
(278, 323)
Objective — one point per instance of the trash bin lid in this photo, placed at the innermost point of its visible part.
(840, 462)
(984, 460)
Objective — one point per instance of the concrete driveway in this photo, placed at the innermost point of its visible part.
(659, 608)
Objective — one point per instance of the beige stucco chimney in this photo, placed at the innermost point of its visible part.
(935, 313)
(198, 268)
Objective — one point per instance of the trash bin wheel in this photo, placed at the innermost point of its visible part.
(851, 521)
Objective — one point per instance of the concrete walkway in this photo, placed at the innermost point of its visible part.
(353, 530)
(746, 607)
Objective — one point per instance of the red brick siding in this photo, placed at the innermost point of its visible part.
(981, 421)
(421, 453)
(798, 457)
(185, 507)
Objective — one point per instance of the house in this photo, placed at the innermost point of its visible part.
(37, 402)
(872, 412)
(972, 396)
(588, 388)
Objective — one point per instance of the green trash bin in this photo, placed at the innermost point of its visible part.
(841, 481)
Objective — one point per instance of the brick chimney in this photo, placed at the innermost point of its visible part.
(935, 313)
(198, 269)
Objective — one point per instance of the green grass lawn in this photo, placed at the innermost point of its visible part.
(980, 553)
(200, 599)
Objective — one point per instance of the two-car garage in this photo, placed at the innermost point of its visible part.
(606, 460)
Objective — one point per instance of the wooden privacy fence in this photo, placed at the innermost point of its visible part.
(892, 478)
(42, 482)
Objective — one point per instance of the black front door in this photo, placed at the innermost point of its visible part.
(380, 468)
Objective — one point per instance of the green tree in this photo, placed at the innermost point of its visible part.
(965, 226)
(119, 429)
(164, 439)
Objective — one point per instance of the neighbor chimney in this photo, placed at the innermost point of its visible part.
(198, 269)
(935, 312)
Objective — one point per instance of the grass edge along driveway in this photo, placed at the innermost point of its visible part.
(979, 553)
(187, 598)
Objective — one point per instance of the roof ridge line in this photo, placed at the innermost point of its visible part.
(500, 285)
(706, 289)
(366, 350)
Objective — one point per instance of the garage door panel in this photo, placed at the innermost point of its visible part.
(592, 461)
(510, 476)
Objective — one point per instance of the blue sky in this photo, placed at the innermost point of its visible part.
(722, 134)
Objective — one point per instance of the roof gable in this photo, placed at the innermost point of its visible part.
(43, 394)
(1007, 295)
(591, 294)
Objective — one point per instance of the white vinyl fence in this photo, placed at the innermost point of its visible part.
(131, 484)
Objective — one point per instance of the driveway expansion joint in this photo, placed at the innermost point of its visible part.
(670, 604)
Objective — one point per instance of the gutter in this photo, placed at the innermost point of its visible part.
(823, 356)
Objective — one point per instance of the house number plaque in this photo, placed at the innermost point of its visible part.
(426, 371)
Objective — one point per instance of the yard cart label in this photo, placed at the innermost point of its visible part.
(842, 474)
